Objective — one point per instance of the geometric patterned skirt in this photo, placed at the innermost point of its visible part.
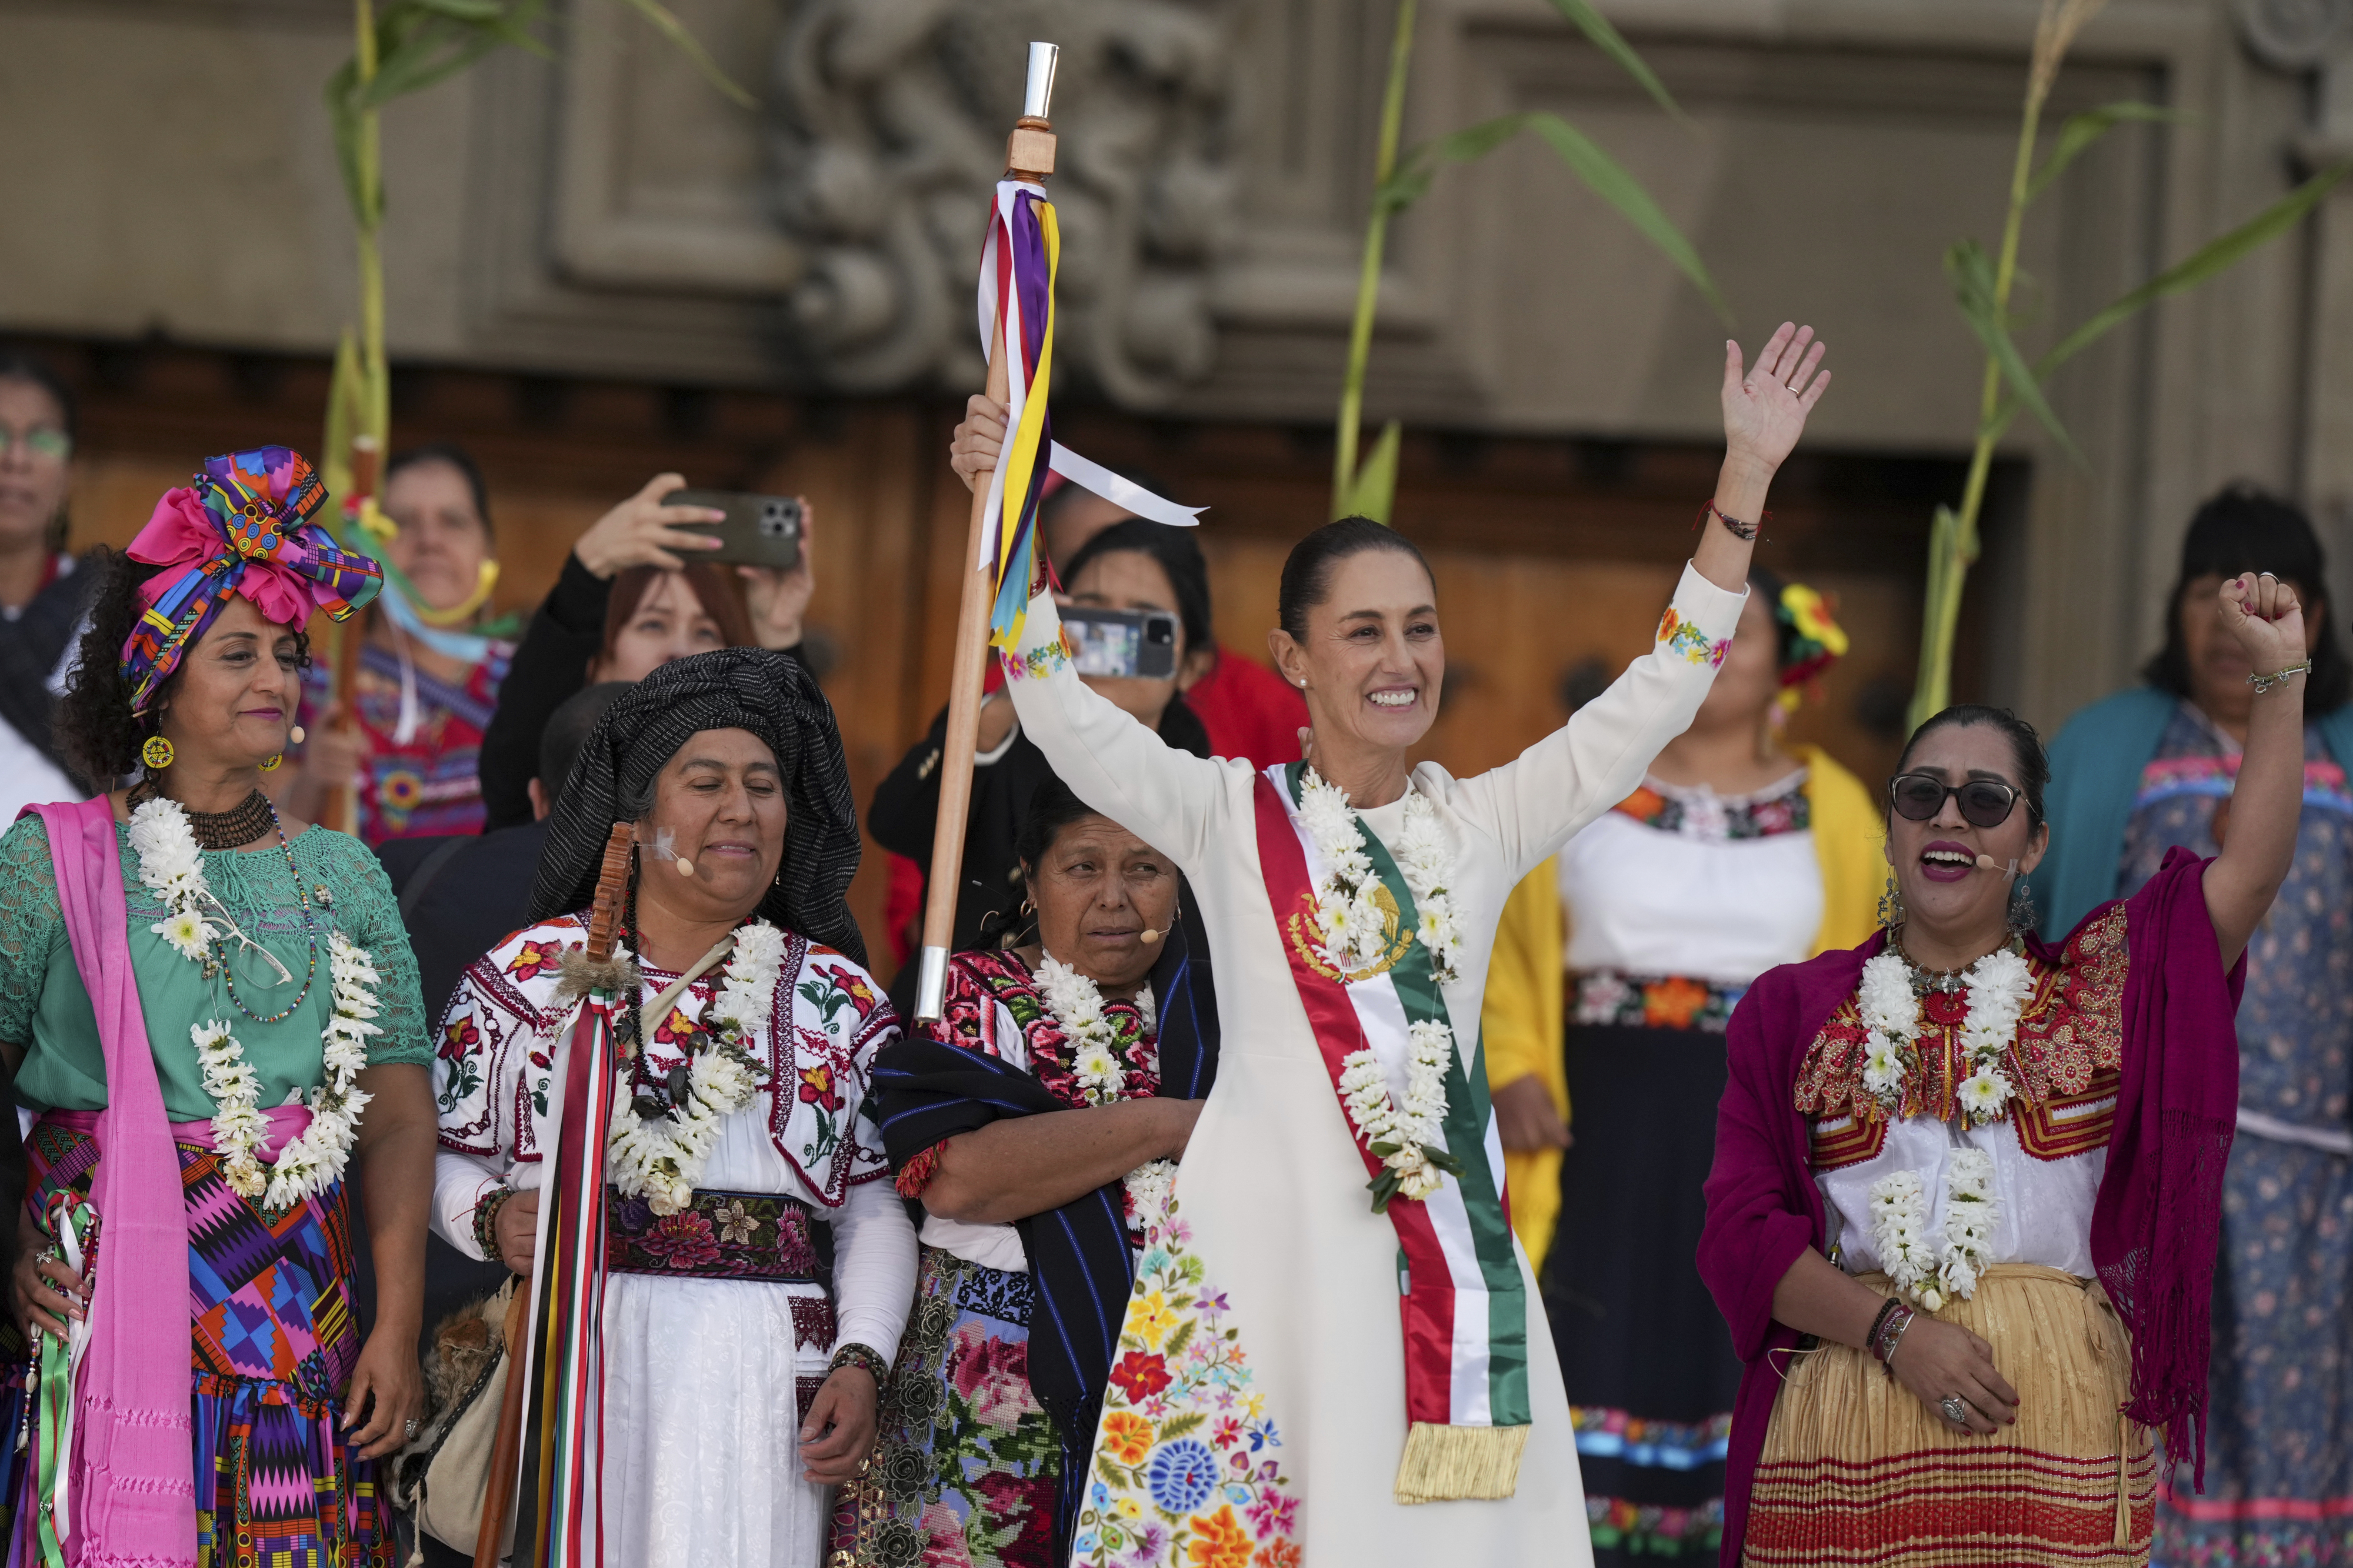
(272, 1345)
(968, 1462)
(1856, 1470)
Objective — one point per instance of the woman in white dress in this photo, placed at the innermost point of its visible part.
(740, 1365)
(1276, 1392)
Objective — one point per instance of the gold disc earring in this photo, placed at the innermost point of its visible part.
(156, 753)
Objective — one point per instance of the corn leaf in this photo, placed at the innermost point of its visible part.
(343, 115)
(2216, 255)
(1971, 271)
(1607, 38)
(1374, 494)
(2080, 131)
(671, 28)
(419, 47)
(346, 394)
(1609, 180)
(1420, 166)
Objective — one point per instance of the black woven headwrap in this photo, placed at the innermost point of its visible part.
(772, 695)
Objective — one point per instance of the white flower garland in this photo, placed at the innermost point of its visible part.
(1899, 1228)
(1077, 1005)
(660, 1160)
(1999, 985)
(1352, 924)
(171, 864)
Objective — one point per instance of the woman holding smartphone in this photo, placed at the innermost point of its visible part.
(1133, 566)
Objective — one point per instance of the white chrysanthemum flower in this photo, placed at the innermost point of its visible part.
(1983, 1093)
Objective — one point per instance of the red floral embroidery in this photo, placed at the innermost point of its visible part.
(535, 959)
(2070, 1031)
(817, 1087)
(916, 1173)
(1140, 1377)
(459, 1037)
(684, 1239)
(852, 984)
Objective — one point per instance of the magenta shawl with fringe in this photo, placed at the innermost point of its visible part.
(134, 1503)
(2154, 1224)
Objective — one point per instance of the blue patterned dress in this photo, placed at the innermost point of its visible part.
(2279, 1465)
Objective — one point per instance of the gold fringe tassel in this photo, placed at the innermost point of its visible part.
(1442, 1464)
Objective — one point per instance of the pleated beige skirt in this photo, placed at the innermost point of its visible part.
(1857, 1471)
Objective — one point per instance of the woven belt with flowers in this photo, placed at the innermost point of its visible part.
(720, 1235)
(1653, 1000)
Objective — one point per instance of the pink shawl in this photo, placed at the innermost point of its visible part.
(133, 1492)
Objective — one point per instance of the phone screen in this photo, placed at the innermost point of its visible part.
(1123, 643)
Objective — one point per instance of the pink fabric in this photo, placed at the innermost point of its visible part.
(135, 1494)
(2159, 1205)
(287, 1123)
(182, 537)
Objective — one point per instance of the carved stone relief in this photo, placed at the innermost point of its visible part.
(2293, 35)
(887, 131)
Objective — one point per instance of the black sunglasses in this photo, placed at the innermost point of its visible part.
(1918, 797)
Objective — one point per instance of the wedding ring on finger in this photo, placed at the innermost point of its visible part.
(1956, 1409)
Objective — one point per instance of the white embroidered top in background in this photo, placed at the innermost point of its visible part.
(1666, 893)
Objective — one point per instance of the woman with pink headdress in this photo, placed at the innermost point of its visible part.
(212, 1013)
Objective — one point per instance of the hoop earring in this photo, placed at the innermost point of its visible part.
(156, 752)
(1028, 907)
(1891, 904)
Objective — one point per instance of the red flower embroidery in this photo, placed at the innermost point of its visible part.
(817, 1087)
(682, 1240)
(852, 984)
(459, 1039)
(1140, 1377)
(535, 960)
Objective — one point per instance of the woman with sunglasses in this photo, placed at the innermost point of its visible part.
(1963, 1215)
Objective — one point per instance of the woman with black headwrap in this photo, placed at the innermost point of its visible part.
(737, 1384)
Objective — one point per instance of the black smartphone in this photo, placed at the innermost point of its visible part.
(760, 530)
(1139, 643)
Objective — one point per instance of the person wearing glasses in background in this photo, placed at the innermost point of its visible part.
(42, 601)
(1967, 1184)
(2131, 777)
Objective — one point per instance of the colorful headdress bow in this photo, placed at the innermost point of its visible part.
(1811, 641)
(242, 527)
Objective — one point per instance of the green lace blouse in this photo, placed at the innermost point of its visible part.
(45, 1009)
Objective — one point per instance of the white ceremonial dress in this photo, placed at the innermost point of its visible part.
(705, 1378)
(1271, 1197)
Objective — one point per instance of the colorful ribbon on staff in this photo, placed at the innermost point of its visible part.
(560, 1523)
(1018, 266)
(242, 526)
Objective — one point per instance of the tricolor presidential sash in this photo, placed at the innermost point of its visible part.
(1464, 1301)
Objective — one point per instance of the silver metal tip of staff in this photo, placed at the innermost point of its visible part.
(932, 984)
(1039, 96)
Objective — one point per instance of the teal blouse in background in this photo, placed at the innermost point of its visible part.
(45, 1008)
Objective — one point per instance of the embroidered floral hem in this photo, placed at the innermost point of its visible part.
(719, 1235)
(1608, 996)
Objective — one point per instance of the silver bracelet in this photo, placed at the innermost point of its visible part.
(2262, 683)
(1902, 1328)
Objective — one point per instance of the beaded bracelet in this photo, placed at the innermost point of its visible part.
(1739, 529)
(486, 1222)
(861, 1356)
(1870, 1340)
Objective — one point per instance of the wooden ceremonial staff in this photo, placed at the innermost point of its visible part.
(1028, 155)
(506, 1450)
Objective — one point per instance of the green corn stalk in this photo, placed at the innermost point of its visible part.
(1981, 288)
(1370, 489)
(400, 48)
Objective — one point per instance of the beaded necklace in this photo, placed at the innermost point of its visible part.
(213, 831)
